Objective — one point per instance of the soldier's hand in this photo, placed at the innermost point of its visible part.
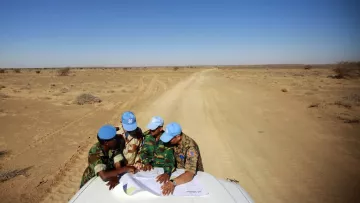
(147, 167)
(112, 183)
(131, 169)
(138, 165)
(168, 188)
(163, 178)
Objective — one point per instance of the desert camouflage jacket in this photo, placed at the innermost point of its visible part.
(187, 155)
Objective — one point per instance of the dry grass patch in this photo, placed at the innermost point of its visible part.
(87, 99)
(343, 104)
(64, 72)
(347, 70)
(314, 105)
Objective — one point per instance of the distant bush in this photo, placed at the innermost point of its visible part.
(308, 67)
(87, 99)
(38, 71)
(64, 71)
(17, 70)
(2, 71)
(176, 68)
(347, 70)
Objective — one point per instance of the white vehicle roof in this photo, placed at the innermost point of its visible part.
(219, 190)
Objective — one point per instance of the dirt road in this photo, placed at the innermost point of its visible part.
(278, 149)
(265, 139)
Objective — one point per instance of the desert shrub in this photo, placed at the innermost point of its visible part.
(2, 71)
(38, 71)
(343, 104)
(3, 95)
(7, 175)
(308, 67)
(64, 71)
(176, 68)
(17, 70)
(87, 98)
(314, 105)
(347, 70)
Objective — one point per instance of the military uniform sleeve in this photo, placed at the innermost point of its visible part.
(95, 162)
(169, 162)
(118, 156)
(147, 150)
(192, 157)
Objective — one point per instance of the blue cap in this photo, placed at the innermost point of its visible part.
(128, 120)
(107, 132)
(155, 122)
(171, 130)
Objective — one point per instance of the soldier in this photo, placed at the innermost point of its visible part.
(187, 155)
(155, 153)
(133, 137)
(105, 158)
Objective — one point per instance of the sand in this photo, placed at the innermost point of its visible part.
(282, 133)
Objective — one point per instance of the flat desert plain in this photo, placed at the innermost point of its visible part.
(286, 134)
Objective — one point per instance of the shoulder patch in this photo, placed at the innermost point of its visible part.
(191, 153)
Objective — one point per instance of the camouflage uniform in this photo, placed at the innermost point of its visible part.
(157, 153)
(187, 155)
(99, 161)
(130, 144)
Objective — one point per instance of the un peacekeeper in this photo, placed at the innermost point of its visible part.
(154, 152)
(187, 155)
(132, 135)
(105, 158)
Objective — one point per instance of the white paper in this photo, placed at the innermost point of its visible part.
(146, 181)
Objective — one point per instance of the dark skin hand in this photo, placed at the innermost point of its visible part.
(113, 182)
(147, 167)
(107, 175)
(163, 178)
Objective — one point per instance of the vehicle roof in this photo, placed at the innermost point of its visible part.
(219, 191)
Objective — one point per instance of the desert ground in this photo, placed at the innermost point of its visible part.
(286, 134)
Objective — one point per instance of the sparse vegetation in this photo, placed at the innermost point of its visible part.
(176, 68)
(347, 70)
(64, 90)
(349, 120)
(17, 70)
(7, 175)
(2, 86)
(3, 95)
(343, 104)
(284, 90)
(353, 98)
(64, 71)
(87, 99)
(314, 105)
(38, 71)
(308, 67)
(2, 71)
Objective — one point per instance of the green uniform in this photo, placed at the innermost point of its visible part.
(157, 153)
(98, 161)
(187, 155)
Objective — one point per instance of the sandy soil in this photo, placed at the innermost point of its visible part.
(281, 132)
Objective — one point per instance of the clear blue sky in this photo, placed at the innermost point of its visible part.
(45, 33)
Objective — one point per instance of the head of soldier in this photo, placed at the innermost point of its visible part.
(129, 124)
(107, 136)
(172, 134)
(155, 126)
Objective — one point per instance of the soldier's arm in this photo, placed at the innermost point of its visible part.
(192, 157)
(169, 161)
